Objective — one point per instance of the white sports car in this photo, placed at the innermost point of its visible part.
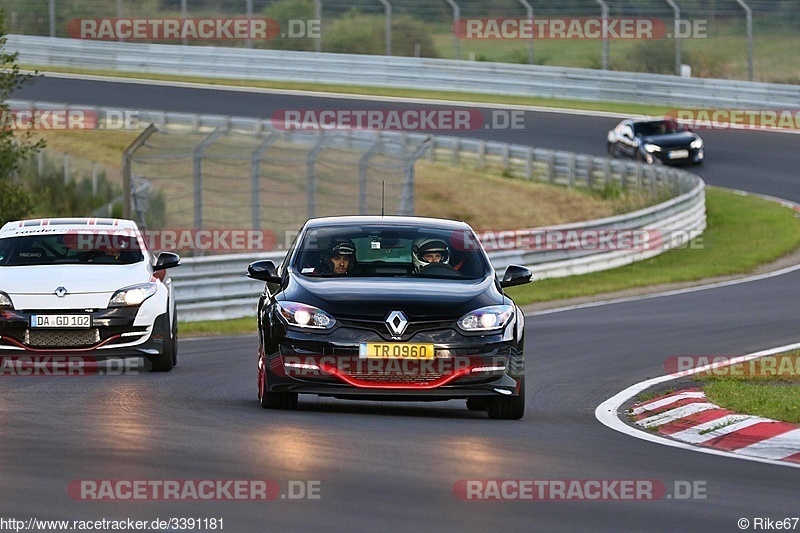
(76, 286)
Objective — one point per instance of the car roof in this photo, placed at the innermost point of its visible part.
(650, 119)
(45, 226)
(392, 220)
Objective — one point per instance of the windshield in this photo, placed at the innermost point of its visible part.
(397, 251)
(657, 127)
(68, 249)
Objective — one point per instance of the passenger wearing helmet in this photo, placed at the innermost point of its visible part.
(341, 258)
(429, 250)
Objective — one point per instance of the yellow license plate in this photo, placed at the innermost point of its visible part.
(395, 350)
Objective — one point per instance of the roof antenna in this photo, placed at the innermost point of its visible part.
(383, 195)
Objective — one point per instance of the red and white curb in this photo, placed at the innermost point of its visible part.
(687, 420)
(689, 417)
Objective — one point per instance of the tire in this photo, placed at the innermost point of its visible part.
(508, 407)
(167, 359)
(174, 342)
(477, 403)
(163, 361)
(275, 400)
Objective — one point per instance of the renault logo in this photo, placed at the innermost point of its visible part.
(396, 322)
(61, 292)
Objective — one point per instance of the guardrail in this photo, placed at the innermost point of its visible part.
(215, 287)
(402, 72)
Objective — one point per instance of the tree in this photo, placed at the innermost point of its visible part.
(15, 200)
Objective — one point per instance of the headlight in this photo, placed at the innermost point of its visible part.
(651, 148)
(487, 318)
(697, 143)
(133, 295)
(305, 316)
(5, 301)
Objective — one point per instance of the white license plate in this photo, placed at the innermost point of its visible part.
(679, 154)
(61, 321)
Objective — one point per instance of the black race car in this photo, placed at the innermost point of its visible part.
(655, 141)
(390, 308)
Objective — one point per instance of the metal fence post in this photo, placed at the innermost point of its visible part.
(127, 154)
(749, 16)
(529, 164)
(255, 178)
(573, 163)
(407, 198)
(184, 15)
(198, 174)
(318, 16)
(52, 7)
(387, 8)
(529, 12)
(604, 15)
(313, 154)
(456, 16)
(677, 35)
(363, 165)
(249, 13)
(94, 178)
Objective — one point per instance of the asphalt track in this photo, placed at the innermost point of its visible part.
(393, 466)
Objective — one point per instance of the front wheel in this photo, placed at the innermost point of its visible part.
(275, 400)
(508, 407)
(477, 404)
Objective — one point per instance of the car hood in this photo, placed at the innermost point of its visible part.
(671, 140)
(77, 279)
(374, 298)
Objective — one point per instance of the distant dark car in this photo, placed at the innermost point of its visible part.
(655, 141)
(415, 314)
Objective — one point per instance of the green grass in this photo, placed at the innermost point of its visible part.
(766, 398)
(718, 56)
(743, 232)
(767, 387)
(205, 328)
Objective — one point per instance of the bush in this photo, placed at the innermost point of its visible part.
(655, 57)
(55, 198)
(16, 202)
(356, 33)
(285, 10)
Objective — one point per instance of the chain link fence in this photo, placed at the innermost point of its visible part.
(741, 39)
(223, 178)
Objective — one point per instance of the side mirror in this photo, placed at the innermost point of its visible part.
(166, 260)
(263, 271)
(516, 275)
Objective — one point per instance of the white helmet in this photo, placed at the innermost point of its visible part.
(428, 245)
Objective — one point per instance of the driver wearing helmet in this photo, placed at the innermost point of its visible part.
(341, 257)
(429, 250)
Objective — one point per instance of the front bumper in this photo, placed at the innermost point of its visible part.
(462, 367)
(112, 333)
(695, 156)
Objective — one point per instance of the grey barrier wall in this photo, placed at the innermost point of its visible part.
(214, 287)
(402, 72)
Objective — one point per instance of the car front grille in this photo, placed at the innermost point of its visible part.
(395, 377)
(61, 338)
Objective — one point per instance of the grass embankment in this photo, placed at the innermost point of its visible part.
(770, 389)
(743, 232)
